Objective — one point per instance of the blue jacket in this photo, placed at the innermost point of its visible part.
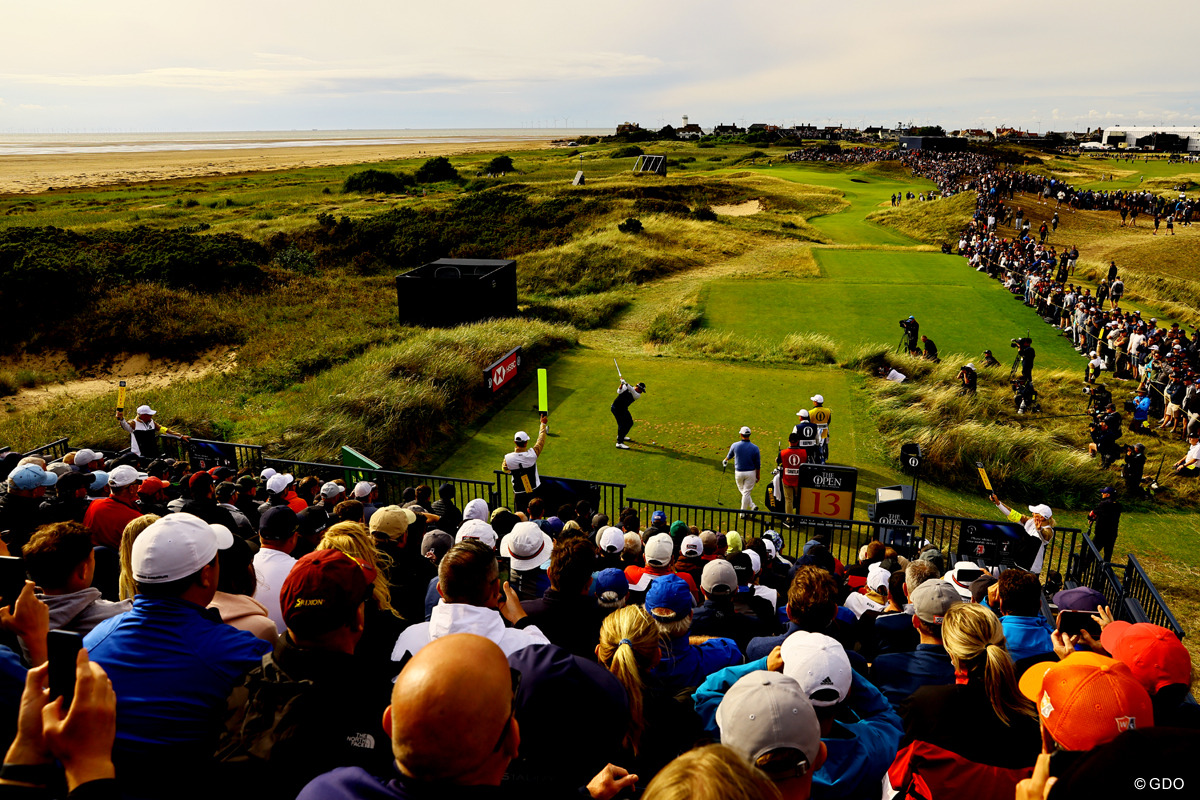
(685, 665)
(900, 674)
(173, 666)
(861, 746)
(1027, 636)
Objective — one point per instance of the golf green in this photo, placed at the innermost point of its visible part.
(863, 294)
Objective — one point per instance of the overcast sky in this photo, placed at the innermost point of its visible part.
(131, 65)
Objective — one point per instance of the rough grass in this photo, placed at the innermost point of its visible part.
(584, 312)
(932, 222)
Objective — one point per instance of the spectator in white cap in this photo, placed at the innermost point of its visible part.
(874, 594)
(659, 554)
(478, 530)
(87, 460)
(473, 600)
(332, 493)
(611, 541)
(747, 467)
(171, 664)
(1039, 526)
(769, 720)
(860, 730)
(27, 485)
(106, 518)
(144, 433)
(281, 492)
(691, 558)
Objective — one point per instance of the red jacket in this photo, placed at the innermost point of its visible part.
(635, 574)
(106, 519)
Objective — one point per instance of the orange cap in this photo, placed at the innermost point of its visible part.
(1087, 699)
(1153, 653)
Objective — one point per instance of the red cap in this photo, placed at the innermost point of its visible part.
(323, 590)
(1087, 699)
(200, 480)
(151, 485)
(1153, 654)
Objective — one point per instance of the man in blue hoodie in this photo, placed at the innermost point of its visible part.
(1017, 598)
(859, 751)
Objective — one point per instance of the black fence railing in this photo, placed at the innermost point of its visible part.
(605, 498)
(843, 538)
(1088, 568)
(210, 453)
(1140, 590)
(391, 485)
(946, 532)
(54, 451)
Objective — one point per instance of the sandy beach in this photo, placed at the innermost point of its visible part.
(27, 174)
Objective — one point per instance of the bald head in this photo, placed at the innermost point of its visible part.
(450, 707)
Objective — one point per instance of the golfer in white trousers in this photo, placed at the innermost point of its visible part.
(747, 467)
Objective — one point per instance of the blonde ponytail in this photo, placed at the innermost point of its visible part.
(975, 641)
(628, 646)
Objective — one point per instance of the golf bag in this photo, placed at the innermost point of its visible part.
(773, 499)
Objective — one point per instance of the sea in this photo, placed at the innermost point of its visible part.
(49, 144)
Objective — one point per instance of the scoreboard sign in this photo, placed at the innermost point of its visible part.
(827, 490)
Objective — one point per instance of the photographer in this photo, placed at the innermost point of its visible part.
(1026, 353)
(911, 330)
(1105, 431)
(1025, 396)
(931, 351)
(968, 378)
(1100, 397)
(1133, 469)
(989, 360)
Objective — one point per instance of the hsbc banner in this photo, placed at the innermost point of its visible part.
(503, 370)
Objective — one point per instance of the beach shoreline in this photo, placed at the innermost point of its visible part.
(31, 174)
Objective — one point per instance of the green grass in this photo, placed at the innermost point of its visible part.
(863, 294)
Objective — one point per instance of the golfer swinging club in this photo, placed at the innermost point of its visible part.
(626, 395)
(747, 467)
(1040, 527)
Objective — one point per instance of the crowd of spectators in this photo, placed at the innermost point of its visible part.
(256, 635)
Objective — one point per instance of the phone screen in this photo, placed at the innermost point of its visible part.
(63, 648)
(12, 579)
(1072, 622)
(505, 569)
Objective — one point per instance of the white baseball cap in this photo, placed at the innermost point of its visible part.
(771, 551)
(611, 540)
(1043, 510)
(146, 410)
(521, 437)
(267, 474)
(279, 483)
(659, 550)
(802, 413)
(745, 431)
(84, 457)
(478, 530)
(125, 475)
(527, 545)
(331, 489)
(176, 546)
(820, 665)
(877, 576)
(718, 578)
(816, 398)
(755, 561)
(691, 546)
(363, 489)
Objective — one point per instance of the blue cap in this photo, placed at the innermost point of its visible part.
(99, 479)
(553, 526)
(610, 580)
(658, 516)
(671, 593)
(31, 476)
(1081, 598)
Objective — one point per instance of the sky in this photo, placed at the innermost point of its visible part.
(68, 66)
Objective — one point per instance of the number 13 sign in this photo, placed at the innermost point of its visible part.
(827, 490)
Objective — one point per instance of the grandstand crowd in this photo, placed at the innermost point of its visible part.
(261, 636)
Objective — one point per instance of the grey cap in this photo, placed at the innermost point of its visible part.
(766, 711)
(932, 598)
(718, 578)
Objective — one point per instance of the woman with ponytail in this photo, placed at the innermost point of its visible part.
(982, 717)
(660, 726)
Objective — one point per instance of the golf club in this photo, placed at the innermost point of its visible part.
(619, 375)
(721, 485)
